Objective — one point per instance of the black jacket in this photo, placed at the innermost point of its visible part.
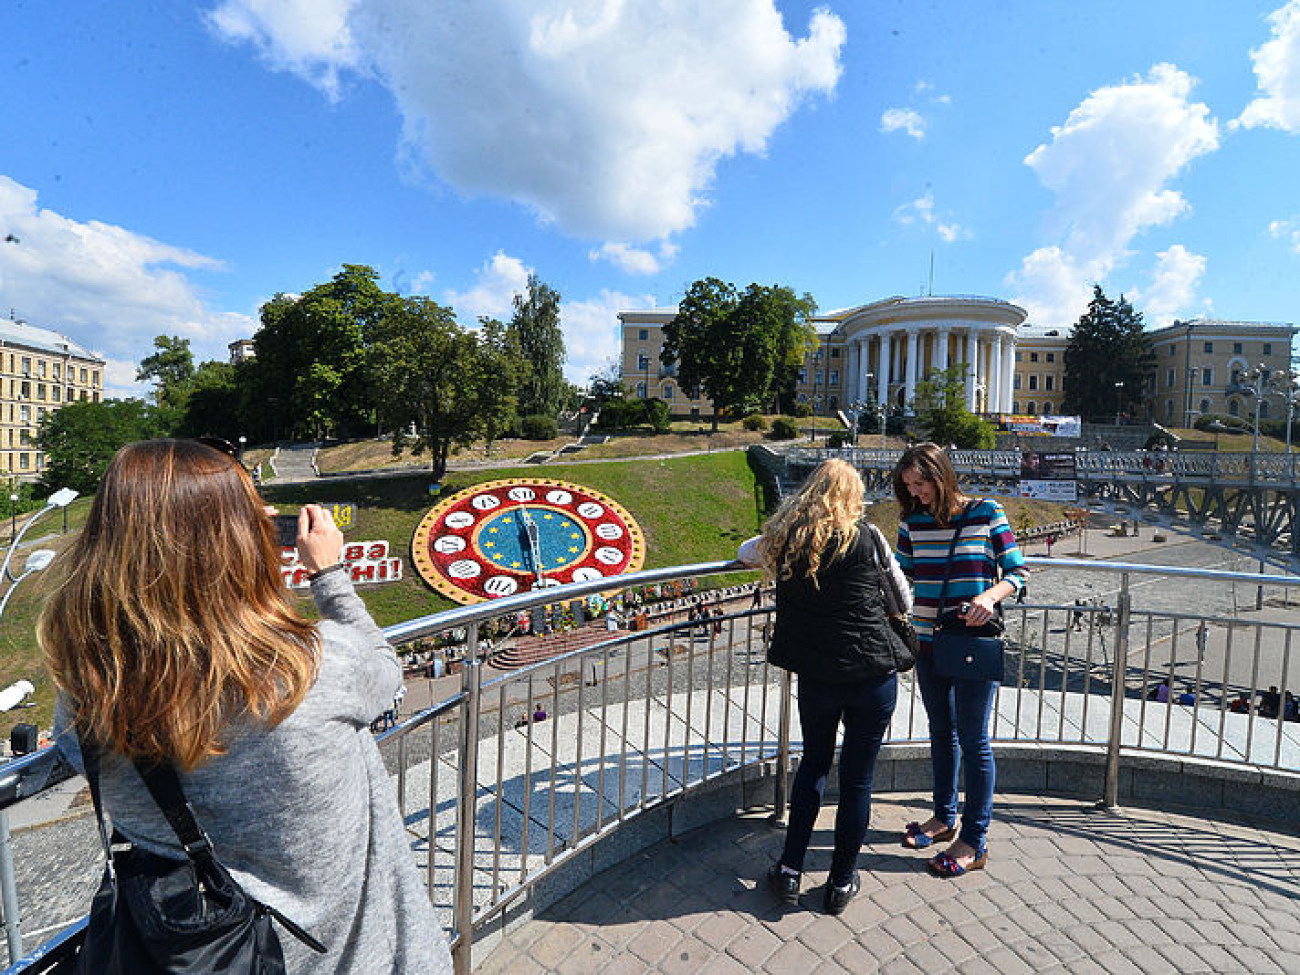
(837, 630)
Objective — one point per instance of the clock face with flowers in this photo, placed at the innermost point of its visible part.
(503, 537)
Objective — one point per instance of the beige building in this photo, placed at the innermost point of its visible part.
(876, 353)
(1202, 366)
(40, 371)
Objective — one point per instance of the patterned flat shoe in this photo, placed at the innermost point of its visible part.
(946, 865)
(915, 838)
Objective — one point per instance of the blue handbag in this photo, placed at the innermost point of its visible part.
(962, 652)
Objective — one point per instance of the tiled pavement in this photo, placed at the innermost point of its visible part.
(1067, 889)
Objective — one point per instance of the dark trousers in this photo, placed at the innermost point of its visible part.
(864, 708)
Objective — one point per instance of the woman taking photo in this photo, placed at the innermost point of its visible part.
(173, 641)
(831, 630)
(933, 511)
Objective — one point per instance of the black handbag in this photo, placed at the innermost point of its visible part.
(154, 915)
(962, 652)
(907, 644)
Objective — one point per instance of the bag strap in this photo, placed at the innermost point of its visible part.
(90, 760)
(888, 585)
(952, 548)
(165, 786)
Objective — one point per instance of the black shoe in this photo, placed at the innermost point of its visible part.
(785, 886)
(837, 898)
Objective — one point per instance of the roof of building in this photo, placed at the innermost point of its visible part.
(1220, 325)
(19, 333)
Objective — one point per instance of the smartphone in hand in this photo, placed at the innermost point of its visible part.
(286, 530)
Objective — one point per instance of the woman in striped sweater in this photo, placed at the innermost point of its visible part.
(933, 509)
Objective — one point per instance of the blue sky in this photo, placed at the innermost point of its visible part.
(166, 167)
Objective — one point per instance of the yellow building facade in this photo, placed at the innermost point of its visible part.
(40, 371)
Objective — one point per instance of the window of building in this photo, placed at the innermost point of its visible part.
(84, 395)
(1236, 348)
(25, 414)
(1236, 378)
(94, 378)
(1268, 348)
(1171, 350)
(642, 362)
(1018, 354)
(1029, 408)
(55, 391)
(24, 461)
(835, 353)
(72, 394)
(668, 391)
(1169, 378)
(83, 375)
(40, 391)
(1205, 406)
(640, 390)
(1015, 382)
(1207, 376)
(1051, 357)
(803, 376)
(25, 391)
(40, 368)
(1015, 406)
(1169, 410)
(643, 335)
(1033, 382)
(1049, 384)
(1033, 357)
(1234, 408)
(1208, 348)
(27, 370)
(1047, 407)
(58, 370)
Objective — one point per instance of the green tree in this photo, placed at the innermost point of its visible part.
(214, 403)
(1109, 360)
(311, 353)
(170, 369)
(80, 439)
(443, 385)
(739, 349)
(940, 405)
(535, 333)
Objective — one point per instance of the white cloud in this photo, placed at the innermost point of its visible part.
(635, 260)
(1173, 288)
(1277, 75)
(1108, 166)
(119, 380)
(591, 331)
(498, 281)
(922, 210)
(104, 286)
(906, 119)
(608, 118)
(1288, 230)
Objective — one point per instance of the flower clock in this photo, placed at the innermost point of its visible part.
(503, 537)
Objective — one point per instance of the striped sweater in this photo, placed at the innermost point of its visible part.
(986, 549)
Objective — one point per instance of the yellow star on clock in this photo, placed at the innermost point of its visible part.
(504, 521)
(573, 548)
(574, 535)
(492, 530)
(546, 517)
(489, 544)
(560, 561)
(514, 565)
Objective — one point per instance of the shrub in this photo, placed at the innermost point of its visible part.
(803, 410)
(783, 428)
(837, 440)
(538, 426)
(655, 412)
(755, 421)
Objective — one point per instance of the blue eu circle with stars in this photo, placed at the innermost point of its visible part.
(503, 539)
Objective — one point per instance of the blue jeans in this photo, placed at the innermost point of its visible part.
(865, 708)
(959, 712)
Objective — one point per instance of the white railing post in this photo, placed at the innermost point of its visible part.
(463, 904)
(1110, 786)
(783, 752)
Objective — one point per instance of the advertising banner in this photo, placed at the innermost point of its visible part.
(1045, 426)
(1048, 476)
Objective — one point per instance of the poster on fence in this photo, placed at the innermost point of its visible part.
(1044, 426)
(1048, 476)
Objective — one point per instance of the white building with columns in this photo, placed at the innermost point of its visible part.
(873, 353)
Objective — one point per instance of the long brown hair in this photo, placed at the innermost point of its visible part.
(931, 463)
(820, 522)
(172, 620)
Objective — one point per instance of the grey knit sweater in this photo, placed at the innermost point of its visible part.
(305, 815)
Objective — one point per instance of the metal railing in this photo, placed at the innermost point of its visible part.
(497, 799)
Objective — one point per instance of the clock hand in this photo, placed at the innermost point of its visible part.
(534, 543)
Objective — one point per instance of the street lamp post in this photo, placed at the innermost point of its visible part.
(1119, 400)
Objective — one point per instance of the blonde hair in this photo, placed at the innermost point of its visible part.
(172, 620)
(820, 523)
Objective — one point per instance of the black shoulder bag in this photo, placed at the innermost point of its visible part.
(907, 644)
(964, 652)
(153, 915)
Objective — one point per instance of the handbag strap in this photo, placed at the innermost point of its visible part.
(952, 548)
(888, 585)
(90, 760)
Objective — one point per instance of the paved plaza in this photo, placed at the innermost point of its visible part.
(1068, 889)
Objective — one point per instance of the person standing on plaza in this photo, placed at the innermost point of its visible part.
(833, 632)
(934, 511)
(173, 640)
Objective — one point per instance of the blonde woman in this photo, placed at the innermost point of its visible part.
(831, 630)
(172, 640)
